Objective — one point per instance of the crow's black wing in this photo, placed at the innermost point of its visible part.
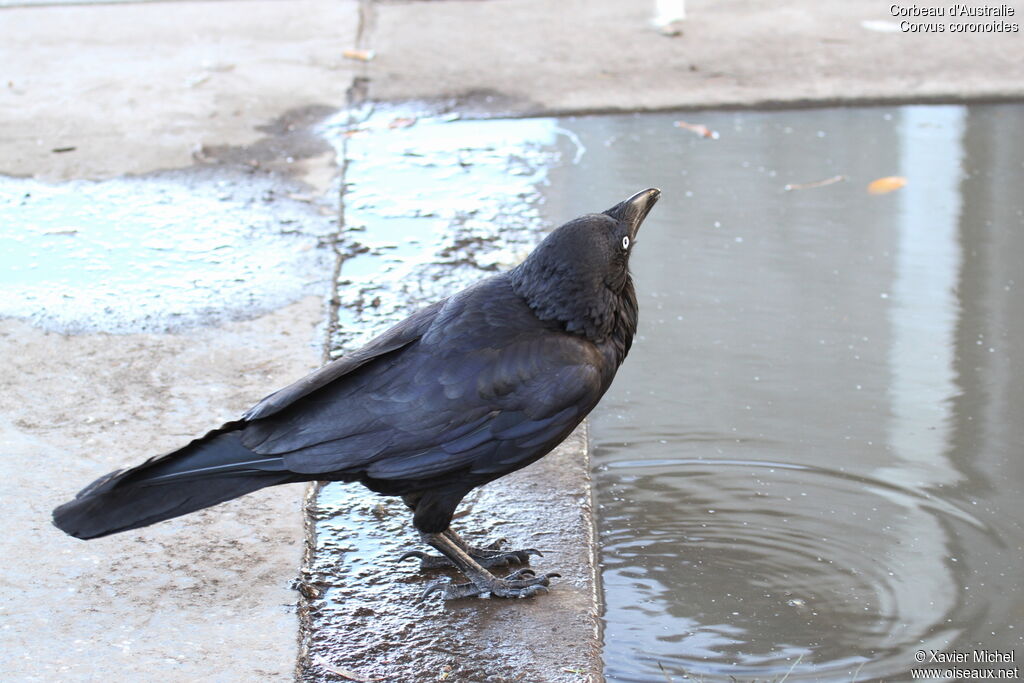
(395, 338)
(537, 390)
(486, 388)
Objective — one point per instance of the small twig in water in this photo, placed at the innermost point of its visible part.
(798, 659)
(816, 183)
(344, 673)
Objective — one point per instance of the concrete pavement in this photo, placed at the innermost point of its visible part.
(205, 597)
(133, 88)
(534, 56)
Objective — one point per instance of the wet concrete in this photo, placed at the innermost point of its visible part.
(160, 252)
(809, 467)
(366, 620)
(203, 597)
(430, 206)
(133, 88)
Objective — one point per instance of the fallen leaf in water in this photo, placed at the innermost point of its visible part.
(886, 184)
(344, 673)
(816, 183)
(401, 122)
(358, 55)
(699, 129)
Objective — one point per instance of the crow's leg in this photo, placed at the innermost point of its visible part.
(492, 555)
(488, 556)
(520, 584)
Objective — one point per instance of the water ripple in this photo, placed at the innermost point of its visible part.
(711, 555)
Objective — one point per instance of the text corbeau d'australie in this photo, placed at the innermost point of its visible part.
(959, 18)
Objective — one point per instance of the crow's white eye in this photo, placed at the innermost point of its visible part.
(625, 242)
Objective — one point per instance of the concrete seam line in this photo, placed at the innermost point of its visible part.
(355, 95)
(591, 522)
(739, 104)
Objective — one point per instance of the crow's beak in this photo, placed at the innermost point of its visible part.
(634, 210)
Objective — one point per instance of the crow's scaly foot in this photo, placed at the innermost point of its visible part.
(521, 584)
(484, 557)
(488, 556)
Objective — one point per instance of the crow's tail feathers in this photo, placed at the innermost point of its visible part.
(208, 471)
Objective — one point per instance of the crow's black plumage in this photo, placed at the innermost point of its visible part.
(456, 395)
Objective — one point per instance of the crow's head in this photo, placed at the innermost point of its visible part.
(579, 274)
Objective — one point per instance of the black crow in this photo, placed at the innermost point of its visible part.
(456, 395)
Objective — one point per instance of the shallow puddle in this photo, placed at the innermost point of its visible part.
(158, 252)
(809, 467)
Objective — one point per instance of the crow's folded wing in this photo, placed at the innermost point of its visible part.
(540, 408)
(425, 411)
(395, 338)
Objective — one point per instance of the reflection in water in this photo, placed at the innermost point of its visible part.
(809, 465)
(922, 383)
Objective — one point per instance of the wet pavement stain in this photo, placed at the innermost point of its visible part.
(219, 254)
(159, 252)
(430, 207)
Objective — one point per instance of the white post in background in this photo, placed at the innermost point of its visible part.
(668, 15)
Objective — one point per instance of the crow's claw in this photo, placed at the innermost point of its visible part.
(412, 553)
(526, 573)
(496, 544)
(520, 584)
(427, 561)
(450, 590)
(503, 559)
(487, 557)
